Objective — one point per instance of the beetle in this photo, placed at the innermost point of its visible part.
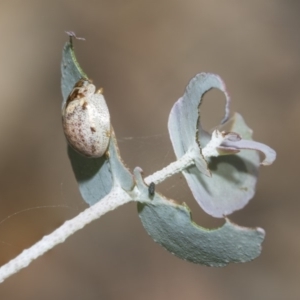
(86, 120)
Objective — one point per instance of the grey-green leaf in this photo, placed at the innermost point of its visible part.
(184, 118)
(233, 177)
(71, 72)
(170, 225)
(95, 176)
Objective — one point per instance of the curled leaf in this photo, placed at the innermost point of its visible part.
(184, 117)
(233, 177)
(270, 154)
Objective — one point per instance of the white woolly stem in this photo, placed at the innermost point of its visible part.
(173, 168)
(115, 199)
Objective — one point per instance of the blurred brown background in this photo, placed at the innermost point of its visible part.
(144, 53)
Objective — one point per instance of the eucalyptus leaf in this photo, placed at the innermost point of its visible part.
(184, 117)
(170, 225)
(95, 176)
(71, 72)
(232, 177)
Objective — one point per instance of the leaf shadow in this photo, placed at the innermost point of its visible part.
(84, 168)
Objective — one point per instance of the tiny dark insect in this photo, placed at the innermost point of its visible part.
(151, 189)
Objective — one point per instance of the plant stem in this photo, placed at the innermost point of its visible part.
(114, 199)
(173, 168)
(110, 202)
